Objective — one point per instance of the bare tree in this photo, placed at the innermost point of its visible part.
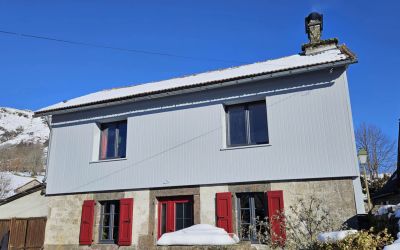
(5, 185)
(380, 149)
(23, 157)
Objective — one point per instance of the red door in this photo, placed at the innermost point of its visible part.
(224, 211)
(174, 213)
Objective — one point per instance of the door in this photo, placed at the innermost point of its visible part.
(174, 213)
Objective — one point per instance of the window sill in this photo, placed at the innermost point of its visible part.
(108, 160)
(247, 146)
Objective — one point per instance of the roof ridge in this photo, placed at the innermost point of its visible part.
(204, 72)
(272, 66)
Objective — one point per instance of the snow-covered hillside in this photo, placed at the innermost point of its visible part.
(18, 126)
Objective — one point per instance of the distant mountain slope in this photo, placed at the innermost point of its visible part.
(19, 126)
(23, 146)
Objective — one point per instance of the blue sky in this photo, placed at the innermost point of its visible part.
(35, 73)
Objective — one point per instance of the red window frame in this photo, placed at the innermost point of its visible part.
(170, 203)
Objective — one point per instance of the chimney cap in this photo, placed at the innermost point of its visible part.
(314, 16)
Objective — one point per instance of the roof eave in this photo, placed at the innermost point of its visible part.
(201, 86)
(31, 190)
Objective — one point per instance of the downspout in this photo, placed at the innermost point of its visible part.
(48, 121)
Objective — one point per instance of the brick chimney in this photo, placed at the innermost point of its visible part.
(314, 25)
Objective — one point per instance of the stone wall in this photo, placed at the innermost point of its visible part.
(63, 224)
(337, 195)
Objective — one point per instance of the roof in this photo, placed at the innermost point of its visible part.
(18, 180)
(27, 185)
(212, 77)
(39, 186)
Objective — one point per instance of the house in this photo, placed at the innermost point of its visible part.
(390, 192)
(222, 147)
(23, 218)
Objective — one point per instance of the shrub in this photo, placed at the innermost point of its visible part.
(362, 240)
(308, 218)
(302, 223)
(305, 220)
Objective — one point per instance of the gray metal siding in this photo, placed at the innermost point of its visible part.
(180, 140)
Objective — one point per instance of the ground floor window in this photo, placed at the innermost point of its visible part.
(109, 219)
(174, 213)
(251, 215)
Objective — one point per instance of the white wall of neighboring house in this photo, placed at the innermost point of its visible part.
(31, 205)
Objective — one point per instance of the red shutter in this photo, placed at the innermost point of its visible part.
(224, 211)
(87, 218)
(275, 208)
(125, 222)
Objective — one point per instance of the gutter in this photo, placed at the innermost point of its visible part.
(196, 87)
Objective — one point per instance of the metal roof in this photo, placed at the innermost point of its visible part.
(203, 79)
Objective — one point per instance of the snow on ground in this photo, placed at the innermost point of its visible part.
(334, 236)
(395, 245)
(200, 234)
(386, 209)
(33, 129)
(391, 210)
(19, 179)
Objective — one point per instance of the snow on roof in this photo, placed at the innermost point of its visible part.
(200, 234)
(249, 70)
(18, 180)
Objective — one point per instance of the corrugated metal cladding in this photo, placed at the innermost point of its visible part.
(180, 140)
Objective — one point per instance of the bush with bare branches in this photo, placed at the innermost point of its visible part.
(302, 223)
(5, 185)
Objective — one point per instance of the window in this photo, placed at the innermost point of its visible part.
(174, 214)
(251, 214)
(109, 219)
(113, 140)
(247, 124)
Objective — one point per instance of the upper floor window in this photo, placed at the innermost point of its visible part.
(113, 140)
(247, 124)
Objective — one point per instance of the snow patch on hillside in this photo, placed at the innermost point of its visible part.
(19, 126)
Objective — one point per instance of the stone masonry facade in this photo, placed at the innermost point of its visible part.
(63, 223)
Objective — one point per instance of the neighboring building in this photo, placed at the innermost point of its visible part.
(29, 185)
(390, 192)
(23, 218)
(129, 164)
